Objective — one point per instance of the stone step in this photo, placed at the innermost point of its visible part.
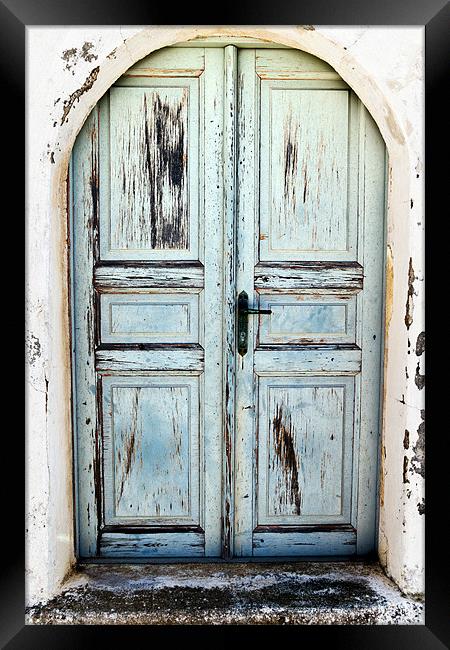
(230, 593)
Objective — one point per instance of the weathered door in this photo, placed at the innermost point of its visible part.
(204, 172)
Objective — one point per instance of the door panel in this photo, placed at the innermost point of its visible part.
(311, 167)
(149, 197)
(307, 318)
(304, 165)
(149, 317)
(304, 450)
(151, 450)
(202, 173)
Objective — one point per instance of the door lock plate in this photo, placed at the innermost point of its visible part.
(243, 311)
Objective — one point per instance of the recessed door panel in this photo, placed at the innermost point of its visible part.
(151, 443)
(304, 166)
(149, 197)
(305, 435)
(307, 318)
(149, 317)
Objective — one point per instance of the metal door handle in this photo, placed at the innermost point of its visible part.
(243, 311)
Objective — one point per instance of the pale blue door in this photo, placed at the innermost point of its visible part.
(207, 171)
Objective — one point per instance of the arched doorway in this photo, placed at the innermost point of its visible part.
(202, 430)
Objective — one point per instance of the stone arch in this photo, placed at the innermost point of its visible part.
(376, 101)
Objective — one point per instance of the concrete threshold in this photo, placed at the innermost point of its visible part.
(296, 593)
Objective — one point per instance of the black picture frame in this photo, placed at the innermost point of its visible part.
(434, 15)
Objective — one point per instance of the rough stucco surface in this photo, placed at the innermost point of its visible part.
(68, 70)
(264, 594)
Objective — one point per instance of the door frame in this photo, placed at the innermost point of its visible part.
(229, 277)
(49, 291)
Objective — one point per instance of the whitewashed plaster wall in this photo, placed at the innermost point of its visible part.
(68, 70)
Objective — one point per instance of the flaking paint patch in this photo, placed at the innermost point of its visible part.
(70, 57)
(75, 96)
(46, 394)
(73, 55)
(405, 469)
(34, 349)
(168, 124)
(419, 379)
(291, 164)
(409, 300)
(406, 440)
(420, 344)
(86, 53)
(418, 460)
(286, 459)
(129, 445)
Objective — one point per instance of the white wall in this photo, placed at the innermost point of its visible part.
(68, 70)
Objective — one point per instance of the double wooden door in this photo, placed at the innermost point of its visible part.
(202, 430)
